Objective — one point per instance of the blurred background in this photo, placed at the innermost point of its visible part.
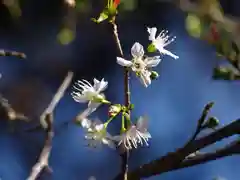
(58, 38)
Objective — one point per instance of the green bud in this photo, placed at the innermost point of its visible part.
(154, 75)
(114, 110)
(151, 48)
(212, 122)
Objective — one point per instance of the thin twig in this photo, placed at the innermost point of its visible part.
(42, 162)
(13, 53)
(8, 112)
(57, 97)
(47, 118)
(125, 155)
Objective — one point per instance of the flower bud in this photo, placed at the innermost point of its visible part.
(154, 75)
(114, 110)
(212, 122)
(151, 48)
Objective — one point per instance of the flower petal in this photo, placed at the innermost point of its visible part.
(117, 138)
(124, 62)
(78, 97)
(166, 52)
(145, 78)
(109, 143)
(97, 122)
(99, 127)
(86, 123)
(153, 61)
(142, 123)
(100, 86)
(137, 50)
(93, 106)
(152, 33)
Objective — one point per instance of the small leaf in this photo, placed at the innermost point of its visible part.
(131, 106)
(102, 17)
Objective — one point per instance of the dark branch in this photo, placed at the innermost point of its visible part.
(231, 149)
(174, 159)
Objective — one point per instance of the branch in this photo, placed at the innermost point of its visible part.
(172, 160)
(57, 97)
(42, 162)
(7, 112)
(125, 155)
(231, 149)
(47, 118)
(13, 53)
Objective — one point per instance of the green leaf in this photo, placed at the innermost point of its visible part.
(102, 17)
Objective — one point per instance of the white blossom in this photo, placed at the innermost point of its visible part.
(136, 134)
(85, 92)
(161, 41)
(96, 133)
(139, 64)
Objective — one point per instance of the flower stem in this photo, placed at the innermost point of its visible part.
(108, 121)
(125, 155)
(123, 124)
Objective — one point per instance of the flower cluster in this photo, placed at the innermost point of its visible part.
(84, 92)
(142, 65)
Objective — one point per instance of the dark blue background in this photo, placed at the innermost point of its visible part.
(173, 102)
